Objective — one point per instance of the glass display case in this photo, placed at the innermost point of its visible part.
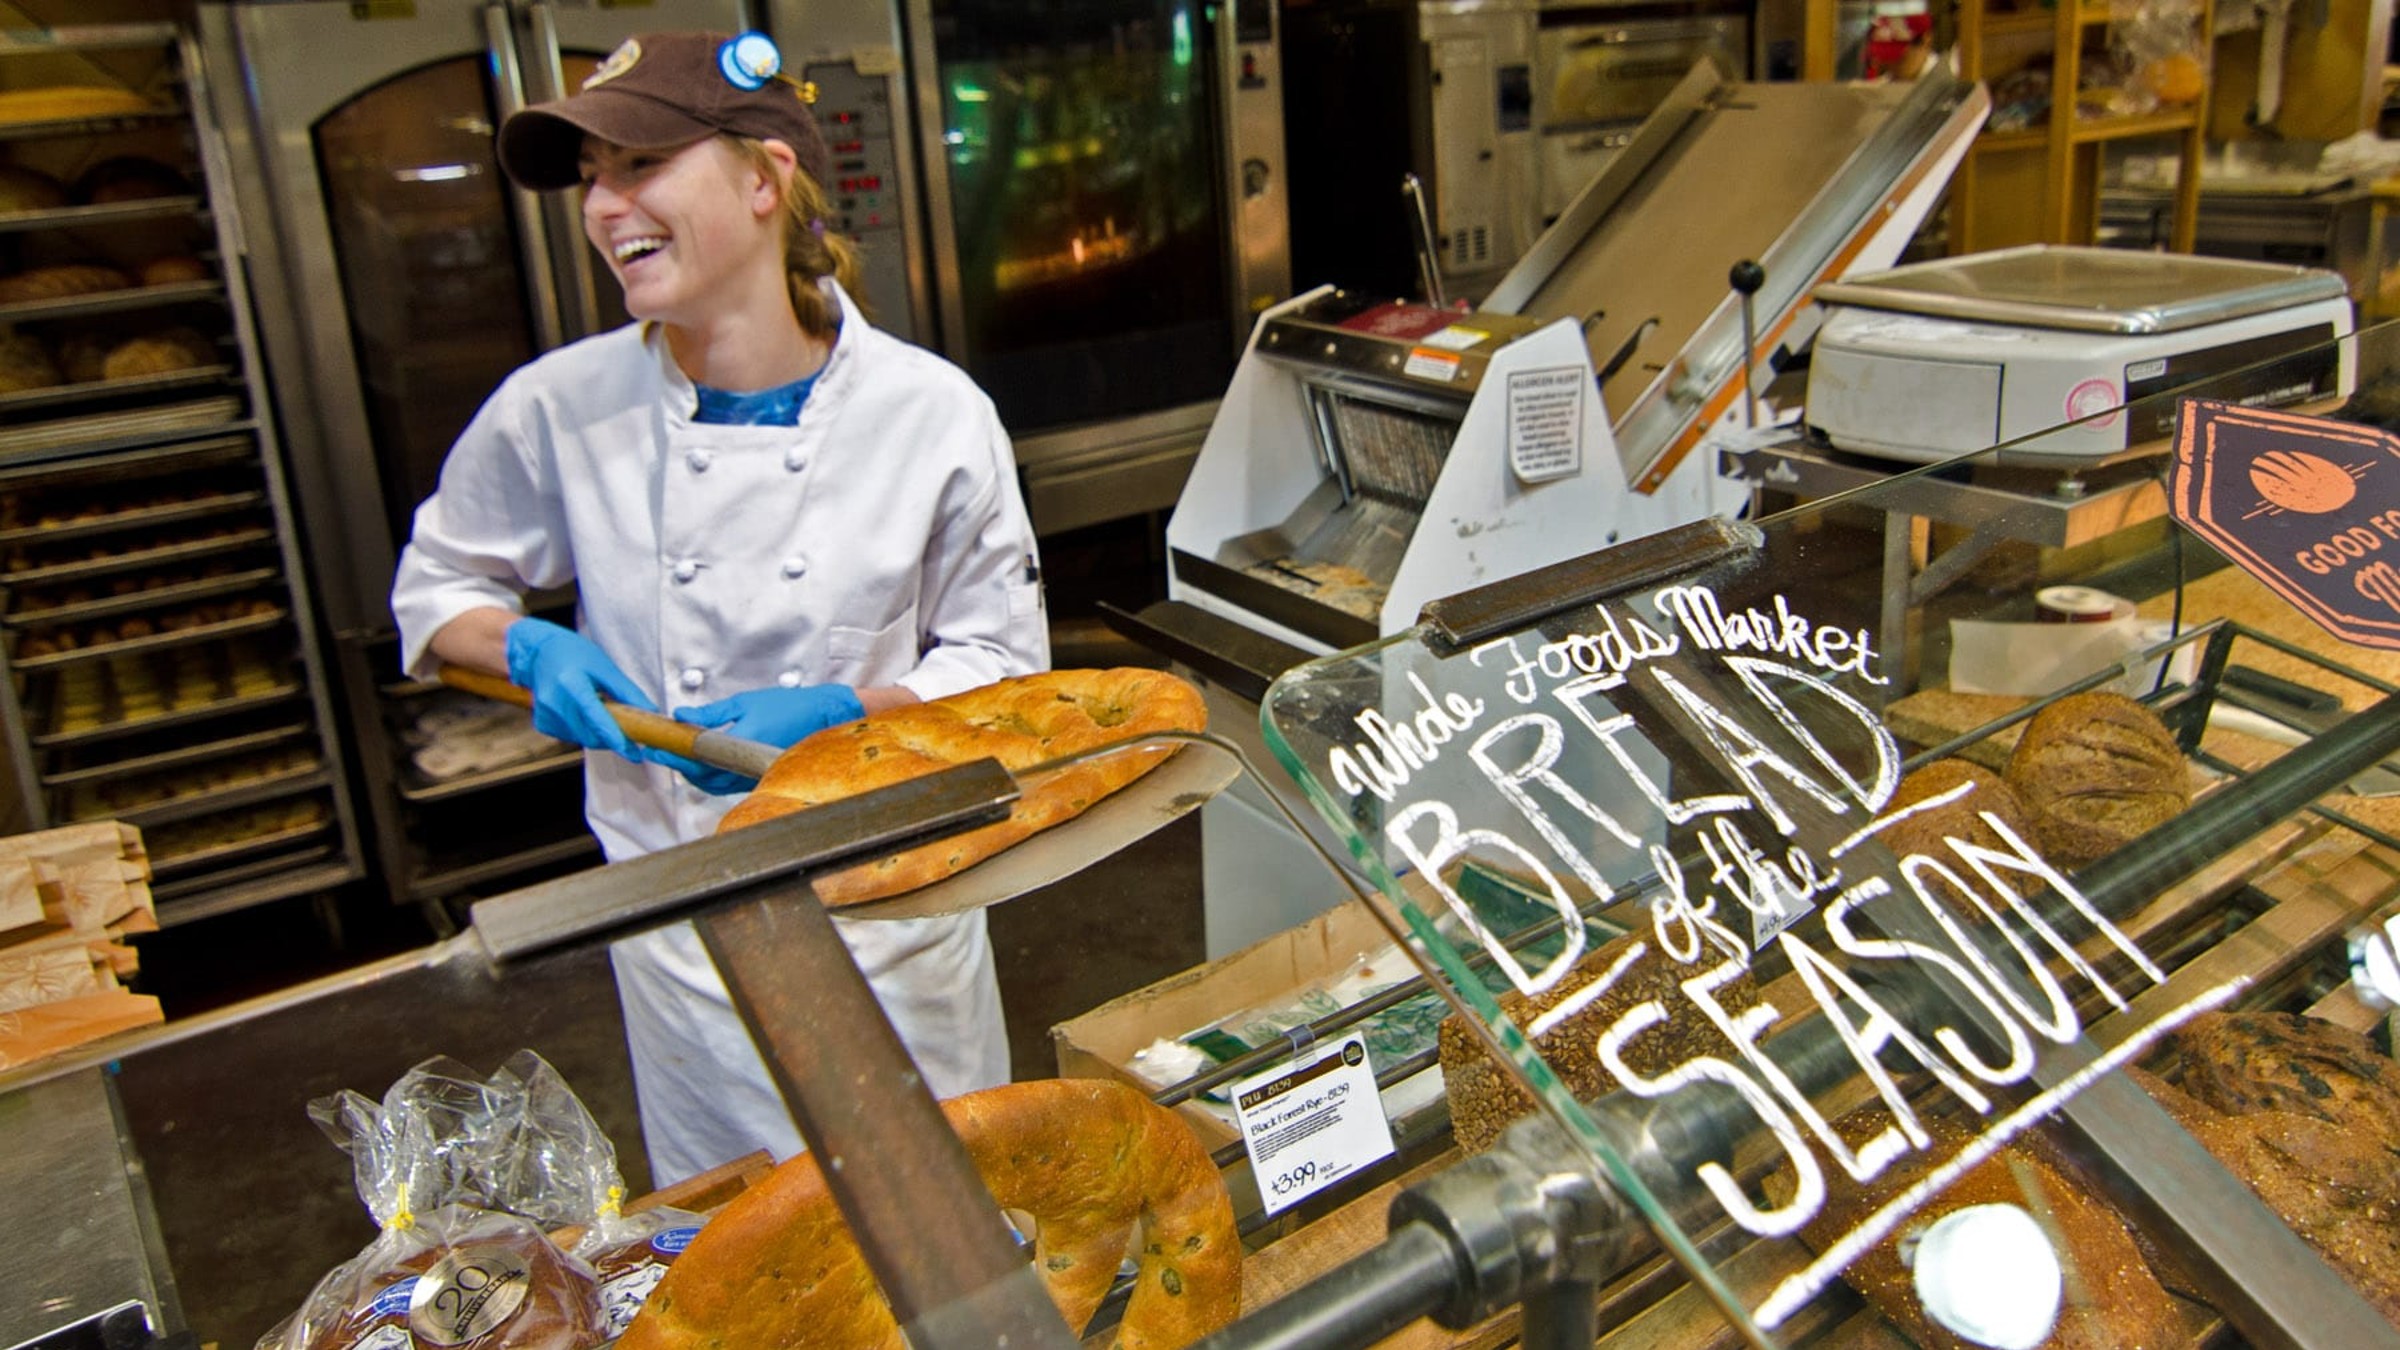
(1836, 984)
(1764, 993)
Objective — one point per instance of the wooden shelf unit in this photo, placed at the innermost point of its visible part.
(2041, 184)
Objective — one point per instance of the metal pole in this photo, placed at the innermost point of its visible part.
(912, 1197)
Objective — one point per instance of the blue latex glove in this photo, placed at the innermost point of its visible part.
(778, 717)
(568, 673)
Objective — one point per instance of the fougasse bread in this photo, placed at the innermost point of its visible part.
(1089, 1159)
(1020, 722)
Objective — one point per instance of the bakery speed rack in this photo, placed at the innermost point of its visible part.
(155, 626)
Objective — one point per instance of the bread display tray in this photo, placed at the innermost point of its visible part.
(247, 624)
(225, 798)
(168, 759)
(96, 389)
(111, 302)
(88, 126)
(99, 213)
(152, 598)
(128, 726)
(149, 557)
(416, 788)
(170, 865)
(102, 431)
(127, 520)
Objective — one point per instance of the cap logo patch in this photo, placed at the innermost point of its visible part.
(749, 61)
(618, 62)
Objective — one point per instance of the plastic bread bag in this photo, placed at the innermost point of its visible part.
(446, 1269)
(556, 1166)
(2155, 45)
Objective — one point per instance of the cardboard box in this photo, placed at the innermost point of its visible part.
(1100, 1043)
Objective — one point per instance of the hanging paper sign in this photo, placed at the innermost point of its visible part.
(2311, 507)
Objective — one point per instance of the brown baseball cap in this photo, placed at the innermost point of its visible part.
(661, 91)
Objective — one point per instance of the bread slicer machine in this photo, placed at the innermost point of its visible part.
(1372, 455)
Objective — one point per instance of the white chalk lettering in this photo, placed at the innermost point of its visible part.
(1781, 633)
(1577, 695)
(1808, 1189)
(1756, 674)
(1451, 843)
(1746, 754)
(2019, 1045)
(1538, 767)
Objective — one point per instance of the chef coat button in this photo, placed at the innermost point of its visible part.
(694, 677)
(789, 679)
(686, 570)
(698, 459)
(795, 461)
(795, 567)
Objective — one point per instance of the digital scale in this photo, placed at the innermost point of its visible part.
(2038, 350)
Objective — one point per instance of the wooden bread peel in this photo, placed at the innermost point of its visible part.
(1123, 818)
(653, 730)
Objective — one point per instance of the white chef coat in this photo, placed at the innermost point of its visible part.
(881, 541)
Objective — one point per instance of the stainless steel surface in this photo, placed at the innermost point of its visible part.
(1479, 140)
(1429, 268)
(1793, 176)
(655, 886)
(508, 96)
(2055, 508)
(925, 107)
(579, 311)
(2093, 290)
(1259, 233)
(1198, 771)
(866, 40)
(903, 1181)
(73, 1198)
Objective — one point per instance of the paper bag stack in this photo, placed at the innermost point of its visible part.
(68, 899)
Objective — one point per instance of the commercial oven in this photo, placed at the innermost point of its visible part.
(1101, 193)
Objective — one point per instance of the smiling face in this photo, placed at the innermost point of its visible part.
(693, 234)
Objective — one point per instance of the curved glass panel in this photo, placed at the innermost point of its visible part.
(1824, 923)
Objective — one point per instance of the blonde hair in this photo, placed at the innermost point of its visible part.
(810, 250)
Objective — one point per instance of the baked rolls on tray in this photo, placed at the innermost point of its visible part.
(1093, 1162)
(1020, 722)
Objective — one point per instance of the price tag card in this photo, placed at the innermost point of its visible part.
(1310, 1124)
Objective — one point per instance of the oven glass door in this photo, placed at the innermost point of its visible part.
(1081, 147)
(429, 261)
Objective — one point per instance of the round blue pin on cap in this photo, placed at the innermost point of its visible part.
(749, 61)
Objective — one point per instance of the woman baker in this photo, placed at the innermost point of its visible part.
(778, 518)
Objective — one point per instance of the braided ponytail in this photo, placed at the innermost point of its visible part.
(810, 250)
